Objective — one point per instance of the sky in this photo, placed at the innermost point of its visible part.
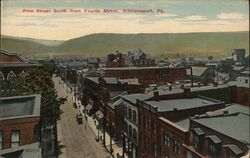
(167, 16)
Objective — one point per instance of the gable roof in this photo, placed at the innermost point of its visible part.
(197, 71)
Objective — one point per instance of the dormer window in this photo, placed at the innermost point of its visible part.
(198, 134)
(213, 145)
(233, 150)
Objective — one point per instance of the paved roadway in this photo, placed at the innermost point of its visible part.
(74, 140)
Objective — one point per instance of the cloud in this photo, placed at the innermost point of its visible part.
(194, 18)
(230, 16)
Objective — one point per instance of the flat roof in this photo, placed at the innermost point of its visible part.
(234, 126)
(141, 96)
(231, 109)
(29, 150)
(136, 68)
(111, 80)
(181, 104)
(20, 107)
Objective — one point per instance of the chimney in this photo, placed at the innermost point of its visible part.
(215, 84)
(191, 72)
(182, 86)
(170, 87)
(199, 84)
(156, 94)
(187, 92)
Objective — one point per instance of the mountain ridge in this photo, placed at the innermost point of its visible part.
(159, 45)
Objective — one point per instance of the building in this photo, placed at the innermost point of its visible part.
(141, 59)
(19, 122)
(13, 65)
(147, 75)
(240, 55)
(114, 116)
(223, 133)
(155, 130)
(202, 74)
(204, 99)
(241, 89)
(116, 60)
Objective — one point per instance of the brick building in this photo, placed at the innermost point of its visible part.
(223, 133)
(242, 88)
(172, 110)
(147, 75)
(114, 116)
(19, 121)
(12, 65)
(182, 104)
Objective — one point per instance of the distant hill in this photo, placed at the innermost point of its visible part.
(160, 45)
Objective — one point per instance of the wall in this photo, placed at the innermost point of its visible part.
(26, 127)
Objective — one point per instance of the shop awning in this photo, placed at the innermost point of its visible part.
(99, 114)
(89, 107)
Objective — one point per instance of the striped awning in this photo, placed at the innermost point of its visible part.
(99, 114)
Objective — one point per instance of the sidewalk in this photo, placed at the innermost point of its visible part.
(116, 145)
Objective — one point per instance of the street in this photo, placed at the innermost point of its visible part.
(74, 141)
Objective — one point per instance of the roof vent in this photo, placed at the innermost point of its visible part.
(196, 116)
(225, 112)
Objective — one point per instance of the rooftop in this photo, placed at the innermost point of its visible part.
(197, 71)
(235, 126)
(112, 80)
(20, 107)
(30, 151)
(134, 68)
(182, 104)
(141, 96)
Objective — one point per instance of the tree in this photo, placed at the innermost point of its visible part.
(38, 81)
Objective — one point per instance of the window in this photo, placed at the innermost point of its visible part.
(246, 81)
(145, 122)
(125, 111)
(134, 116)
(130, 131)
(166, 140)
(145, 142)
(196, 141)
(155, 150)
(211, 148)
(129, 113)
(176, 146)
(142, 119)
(15, 138)
(125, 127)
(1, 139)
(134, 134)
(149, 124)
(11, 76)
